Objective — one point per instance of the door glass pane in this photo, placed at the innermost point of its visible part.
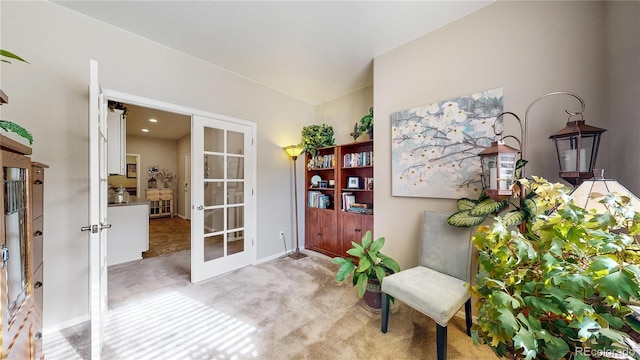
(213, 168)
(213, 140)
(214, 193)
(236, 242)
(235, 167)
(236, 193)
(235, 220)
(213, 220)
(235, 142)
(213, 247)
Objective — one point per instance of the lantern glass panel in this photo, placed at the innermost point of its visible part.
(507, 169)
(490, 171)
(568, 153)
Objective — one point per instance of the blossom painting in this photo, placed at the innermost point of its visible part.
(435, 147)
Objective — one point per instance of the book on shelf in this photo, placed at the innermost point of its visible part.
(347, 199)
(319, 200)
(361, 206)
(361, 211)
(364, 158)
(323, 161)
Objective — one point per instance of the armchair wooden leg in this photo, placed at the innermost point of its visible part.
(467, 316)
(384, 318)
(441, 342)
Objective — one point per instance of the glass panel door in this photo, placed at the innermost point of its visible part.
(220, 194)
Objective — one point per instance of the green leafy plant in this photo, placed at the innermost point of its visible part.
(366, 123)
(475, 212)
(4, 55)
(7, 125)
(372, 264)
(317, 136)
(563, 287)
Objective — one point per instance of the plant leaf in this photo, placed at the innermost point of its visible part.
(513, 218)
(486, 207)
(466, 204)
(13, 127)
(362, 284)
(345, 269)
(11, 55)
(464, 219)
(377, 244)
(508, 321)
(366, 240)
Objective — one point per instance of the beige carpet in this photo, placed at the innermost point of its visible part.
(281, 309)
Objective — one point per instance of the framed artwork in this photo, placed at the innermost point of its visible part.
(435, 147)
(132, 171)
(353, 182)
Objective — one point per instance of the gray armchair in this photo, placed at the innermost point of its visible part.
(439, 285)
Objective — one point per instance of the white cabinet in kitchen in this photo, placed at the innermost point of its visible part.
(116, 142)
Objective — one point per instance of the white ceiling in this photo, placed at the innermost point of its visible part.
(312, 50)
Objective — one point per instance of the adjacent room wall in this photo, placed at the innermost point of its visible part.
(527, 48)
(623, 92)
(49, 97)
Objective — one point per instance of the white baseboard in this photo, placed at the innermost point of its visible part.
(66, 324)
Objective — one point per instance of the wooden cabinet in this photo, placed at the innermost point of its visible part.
(321, 231)
(339, 193)
(37, 251)
(21, 239)
(160, 202)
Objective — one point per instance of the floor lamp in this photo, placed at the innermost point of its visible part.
(294, 151)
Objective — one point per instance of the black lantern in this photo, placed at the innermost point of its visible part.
(498, 169)
(576, 149)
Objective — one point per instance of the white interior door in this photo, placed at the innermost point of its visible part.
(97, 211)
(187, 186)
(222, 219)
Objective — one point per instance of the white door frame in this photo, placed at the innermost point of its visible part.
(187, 186)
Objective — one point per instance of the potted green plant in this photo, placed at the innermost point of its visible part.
(371, 267)
(366, 124)
(317, 136)
(563, 286)
(7, 125)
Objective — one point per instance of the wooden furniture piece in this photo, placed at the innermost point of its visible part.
(37, 250)
(160, 202)
(21, 238)
(336, 215)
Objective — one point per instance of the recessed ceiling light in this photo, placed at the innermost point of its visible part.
(153, 120)
(145, 130)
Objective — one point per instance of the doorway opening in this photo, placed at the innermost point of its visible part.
(160, 139)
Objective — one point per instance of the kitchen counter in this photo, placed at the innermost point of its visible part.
(128, 236)
(133, 200)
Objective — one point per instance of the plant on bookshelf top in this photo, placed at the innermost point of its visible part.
(317, 136)
(7, 125)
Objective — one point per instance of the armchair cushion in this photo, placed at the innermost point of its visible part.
(434, 294)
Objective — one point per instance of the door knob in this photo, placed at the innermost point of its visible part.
(200, 207)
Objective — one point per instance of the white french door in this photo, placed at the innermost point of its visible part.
(222, 233)
(97, 227)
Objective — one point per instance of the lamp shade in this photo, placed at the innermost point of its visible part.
(498, 169)
(590, 192)
(294, 150)
(576, 149)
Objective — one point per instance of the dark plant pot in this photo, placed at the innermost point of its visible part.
(372, 296)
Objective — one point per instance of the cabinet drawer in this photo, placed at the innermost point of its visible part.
(37, 187)
(165, 192)
(37, 295)
(37, 242)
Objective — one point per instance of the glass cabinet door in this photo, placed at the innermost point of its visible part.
(14, 246)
